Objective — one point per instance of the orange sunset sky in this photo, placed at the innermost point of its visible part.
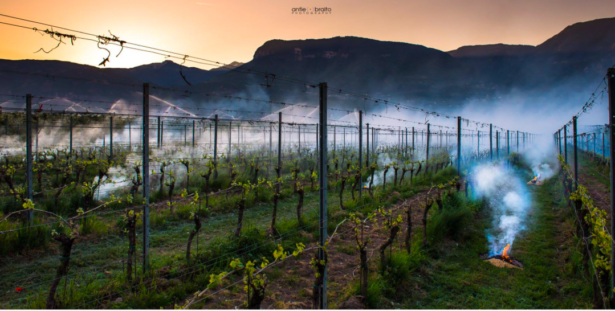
(231, 30)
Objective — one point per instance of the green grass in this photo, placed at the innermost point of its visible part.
(455, 277)
(97, 262)
(589, 167)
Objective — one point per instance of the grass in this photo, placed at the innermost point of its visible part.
(450, 274)
(455, 277)
(591, 168)
(96, 273)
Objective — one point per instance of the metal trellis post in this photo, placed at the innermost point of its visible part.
(491, 141)
(279, 148)
(216, 146)
(323, 193)
(497, 144)
(145, 116)
(70, 139)
(158, 133)
(611, 86)
(427, 151)
(111, 137)
(565, 144)
(574, 147)
(29, 159)
(459, 146)
(413, 139)
(360, 154)
(367, 145)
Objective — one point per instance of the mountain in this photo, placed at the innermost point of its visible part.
(492, 50)
(227, 67)
(39, 84)
(168, 74)
(586, 37)
(569, 62)
(352, 64)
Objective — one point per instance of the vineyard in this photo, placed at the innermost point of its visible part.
(209, 192)
(151, 203)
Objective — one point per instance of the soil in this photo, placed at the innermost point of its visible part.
(290, 284)
(501, 263)
(599, 192)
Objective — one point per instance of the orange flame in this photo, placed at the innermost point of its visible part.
(505, 252)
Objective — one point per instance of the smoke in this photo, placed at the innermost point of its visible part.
(508, 198)
(542, 158)
(508, 194)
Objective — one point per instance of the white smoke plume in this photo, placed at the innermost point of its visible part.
(508, 198)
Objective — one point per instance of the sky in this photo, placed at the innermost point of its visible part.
(231, 30)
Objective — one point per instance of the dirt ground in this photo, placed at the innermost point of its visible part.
(291, 283)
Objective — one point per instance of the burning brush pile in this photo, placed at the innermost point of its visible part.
(509, 202)
(503, 259)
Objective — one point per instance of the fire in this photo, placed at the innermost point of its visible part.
(505, 256)
(505, 251)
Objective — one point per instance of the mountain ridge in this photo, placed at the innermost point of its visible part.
(355, 64)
